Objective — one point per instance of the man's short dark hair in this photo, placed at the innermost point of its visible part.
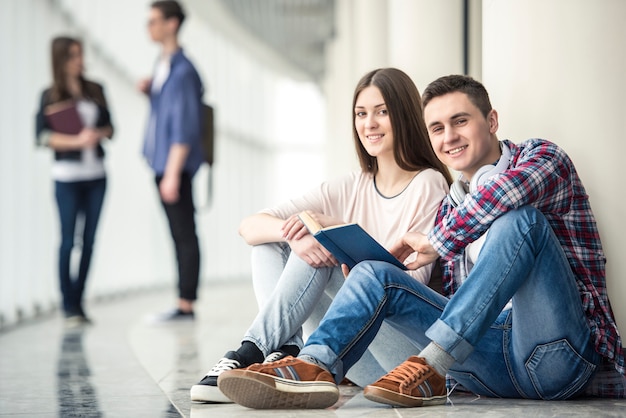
(474, 90)
(170, 9)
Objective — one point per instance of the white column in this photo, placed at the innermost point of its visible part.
(556, 70)
(421, 37)
(369, 36)
(475, 39)
(426, 38)
(338, 87)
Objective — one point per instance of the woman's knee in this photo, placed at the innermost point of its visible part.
(270, 250)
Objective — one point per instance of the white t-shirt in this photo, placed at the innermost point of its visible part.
(161, 73)
(354, 198)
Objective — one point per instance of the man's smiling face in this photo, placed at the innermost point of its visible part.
(461, 136)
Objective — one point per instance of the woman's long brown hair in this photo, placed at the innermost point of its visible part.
(411, 146)
(60, 51)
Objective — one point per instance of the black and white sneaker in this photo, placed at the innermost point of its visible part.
(275, 356)
(206, 390)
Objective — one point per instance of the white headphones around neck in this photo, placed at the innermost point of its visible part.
(459, 189)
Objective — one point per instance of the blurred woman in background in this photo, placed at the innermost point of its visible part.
(73, 119)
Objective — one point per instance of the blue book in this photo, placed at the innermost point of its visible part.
(349, 243)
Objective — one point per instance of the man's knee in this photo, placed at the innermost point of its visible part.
(372, 272)
(525, 215)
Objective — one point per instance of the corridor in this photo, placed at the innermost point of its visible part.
(123, 366)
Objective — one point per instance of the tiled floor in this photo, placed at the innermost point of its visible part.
(123, 367)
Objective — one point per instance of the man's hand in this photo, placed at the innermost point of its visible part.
(143, 85)
(170, 183)
(414, 242)
(169, 189)
(311, 251)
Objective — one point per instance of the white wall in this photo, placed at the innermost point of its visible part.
(555, 69)
(262, 139)
(421, 37)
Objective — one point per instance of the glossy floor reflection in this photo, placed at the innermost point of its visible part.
(124, 367)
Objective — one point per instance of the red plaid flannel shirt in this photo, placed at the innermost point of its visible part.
(542, 175)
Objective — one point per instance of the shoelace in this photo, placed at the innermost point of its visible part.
(275, 356)
(407, 373)
(223, 365)
(285, 360)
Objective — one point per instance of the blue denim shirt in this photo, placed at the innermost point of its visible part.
(176, 117)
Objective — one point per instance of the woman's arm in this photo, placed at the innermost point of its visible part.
(88, 137)
(261, 228)
(105, 131)
(104, 125)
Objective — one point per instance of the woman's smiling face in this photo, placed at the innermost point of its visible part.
(372, 122)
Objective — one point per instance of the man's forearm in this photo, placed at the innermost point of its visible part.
(176, 160)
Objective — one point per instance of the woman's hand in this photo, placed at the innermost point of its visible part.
(414, 242)
(88, 138)
(293, 229)
(311, 251)
(345, 270)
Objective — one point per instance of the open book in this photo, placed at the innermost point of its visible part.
(348, 243)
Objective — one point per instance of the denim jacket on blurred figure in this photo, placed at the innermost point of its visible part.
(175, 117)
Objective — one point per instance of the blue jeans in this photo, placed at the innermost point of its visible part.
(541, 348)
(293, 297)
(79, 200)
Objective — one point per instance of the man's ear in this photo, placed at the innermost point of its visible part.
(492, 119)
(172, 25)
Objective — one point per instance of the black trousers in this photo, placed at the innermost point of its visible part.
(180, 216)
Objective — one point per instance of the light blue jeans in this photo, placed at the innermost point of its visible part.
(540, 349)
(293, 297)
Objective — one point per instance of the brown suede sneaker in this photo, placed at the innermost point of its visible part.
(413, 383)
(289, 383)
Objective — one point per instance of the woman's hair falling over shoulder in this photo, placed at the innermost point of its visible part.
(60, 55)
(60, 50)
(411, 145)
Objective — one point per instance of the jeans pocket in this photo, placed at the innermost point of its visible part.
(557, 371)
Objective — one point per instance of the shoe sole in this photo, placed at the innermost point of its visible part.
(389, 397)
(209, 394)
(75, 322)
(260, 391)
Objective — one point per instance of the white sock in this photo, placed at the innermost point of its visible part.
(437, 358)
